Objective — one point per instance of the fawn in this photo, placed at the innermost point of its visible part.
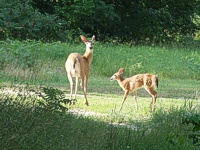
(146, 81)
(78, 66)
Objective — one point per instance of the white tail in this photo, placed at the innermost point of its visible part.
(146, 81)
(79, 67)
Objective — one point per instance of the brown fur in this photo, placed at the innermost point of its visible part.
(132, 84)
(78, 66)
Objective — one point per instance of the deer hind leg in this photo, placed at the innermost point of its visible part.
(135, 97)
(124, 98)
(153, 93)
(84, 86)
(76, 89)
(71, 85)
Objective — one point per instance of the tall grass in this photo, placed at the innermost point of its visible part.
(167, 63)
(39, 62)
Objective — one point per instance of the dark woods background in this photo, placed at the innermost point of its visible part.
(133, 21)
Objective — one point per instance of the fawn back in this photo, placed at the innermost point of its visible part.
(147, 81)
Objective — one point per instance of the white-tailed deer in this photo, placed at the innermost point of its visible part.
(132, 84)
(78, 66)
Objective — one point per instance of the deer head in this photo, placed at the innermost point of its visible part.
(118, 74)
(89, 44)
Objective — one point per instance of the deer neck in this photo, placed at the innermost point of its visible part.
(120, 81)
(88, 56)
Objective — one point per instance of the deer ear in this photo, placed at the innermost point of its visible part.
(121, 71)
(83, 38)
(93, 37)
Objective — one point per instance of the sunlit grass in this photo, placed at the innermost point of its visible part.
(30, 64)
(26, 126)
(109, 105)
(45, 62)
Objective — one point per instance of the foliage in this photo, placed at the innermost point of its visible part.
(155, 21)
(135, 21)
(88, 17)
(19, 20)
(194, 119)
(26, 125)
(53, 99)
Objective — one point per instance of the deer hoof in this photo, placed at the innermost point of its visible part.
(73, 101)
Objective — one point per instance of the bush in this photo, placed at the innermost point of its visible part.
(19, 20)
(53, 99)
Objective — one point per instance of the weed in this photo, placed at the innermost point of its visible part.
(53, 99)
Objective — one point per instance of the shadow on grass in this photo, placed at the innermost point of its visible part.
(24, 125)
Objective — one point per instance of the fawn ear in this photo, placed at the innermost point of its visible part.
(93, 37)
(83, 38)
(121, 71)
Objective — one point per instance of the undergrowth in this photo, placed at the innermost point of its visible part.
(27, 124)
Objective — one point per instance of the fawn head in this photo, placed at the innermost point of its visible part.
(118, 74)
(89, 44)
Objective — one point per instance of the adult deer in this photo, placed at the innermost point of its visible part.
(78, 66)
(146, 81)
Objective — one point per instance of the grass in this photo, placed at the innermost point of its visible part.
(27, 124)
(38, 62)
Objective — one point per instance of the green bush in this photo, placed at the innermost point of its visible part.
(135, 22)
(19, 20)
(53, 99)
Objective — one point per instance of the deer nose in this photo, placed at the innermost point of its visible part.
(91, 47)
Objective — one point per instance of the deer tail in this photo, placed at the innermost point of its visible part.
(155, 81)
(73, 65)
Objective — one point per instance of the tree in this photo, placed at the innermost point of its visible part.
(87, 17)
(156, 20)
(137, 21)
(19, 20)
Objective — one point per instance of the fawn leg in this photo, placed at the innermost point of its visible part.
(124, 98)
(153, 93)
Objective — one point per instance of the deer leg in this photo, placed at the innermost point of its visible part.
(84, 85)
(153, 103)
(124, 98)
(81, 84)
(153, 93)
(135, 97)
(71, 85)
(76, 89)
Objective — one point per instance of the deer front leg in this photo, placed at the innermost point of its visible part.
(124, 98)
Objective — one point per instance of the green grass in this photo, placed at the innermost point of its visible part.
(38, 62)
(26, 124)
(167, 88)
